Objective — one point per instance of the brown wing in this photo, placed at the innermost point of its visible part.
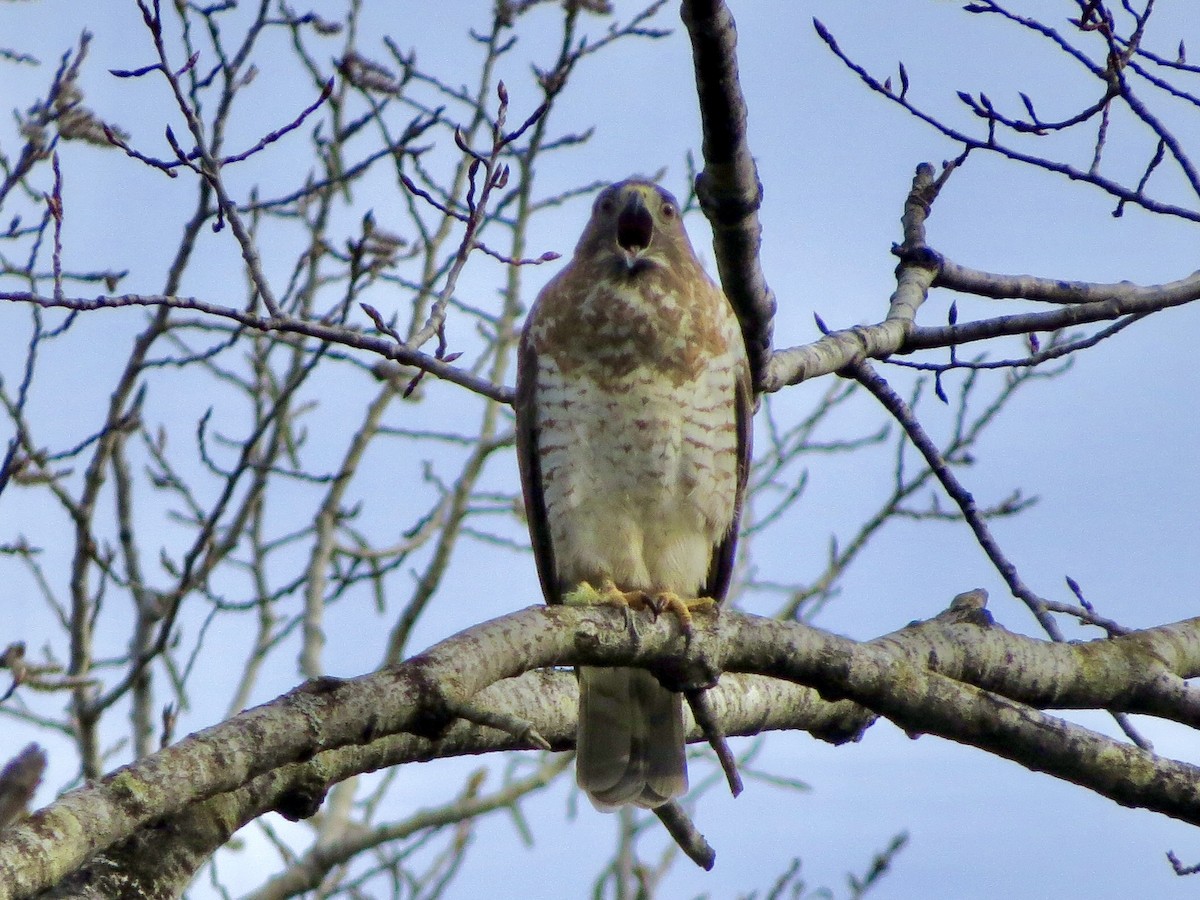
(529, 461)
(720, 570)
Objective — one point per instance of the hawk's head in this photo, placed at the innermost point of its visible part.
(636, 226)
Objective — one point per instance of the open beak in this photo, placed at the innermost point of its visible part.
(635, 227)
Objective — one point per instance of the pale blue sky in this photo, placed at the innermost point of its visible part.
(1108, 448)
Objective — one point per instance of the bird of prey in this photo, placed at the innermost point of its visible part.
(633, 411)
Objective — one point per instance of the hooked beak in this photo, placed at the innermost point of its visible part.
(635, 227)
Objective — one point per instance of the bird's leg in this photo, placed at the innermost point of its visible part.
(658, 603)
(608, 593)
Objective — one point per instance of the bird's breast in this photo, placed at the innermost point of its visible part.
(635, 463)
(636, 419)
(613, 327)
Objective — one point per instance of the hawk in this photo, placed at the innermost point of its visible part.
(633, 412)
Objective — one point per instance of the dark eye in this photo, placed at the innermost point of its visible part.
(606, 205)
(669, 211)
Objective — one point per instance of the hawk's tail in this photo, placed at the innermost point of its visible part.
(630, 746)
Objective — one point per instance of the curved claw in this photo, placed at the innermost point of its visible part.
(666, 601)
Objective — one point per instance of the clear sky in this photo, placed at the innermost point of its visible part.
(1109, 448)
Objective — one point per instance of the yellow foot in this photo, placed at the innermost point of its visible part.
(667, 601)
(608, 593)
(657, 603)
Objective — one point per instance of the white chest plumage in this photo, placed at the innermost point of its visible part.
(639, 473)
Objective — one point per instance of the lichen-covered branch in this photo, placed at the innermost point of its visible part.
(966, 681)
(728, 188)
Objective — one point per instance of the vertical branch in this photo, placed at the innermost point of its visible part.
(728, 187)
(145, 602)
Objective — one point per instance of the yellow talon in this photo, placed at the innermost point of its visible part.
(609, 593)
(682, 608)
(658, 603)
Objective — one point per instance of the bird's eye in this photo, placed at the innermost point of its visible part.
(606, 205)
(669, 211)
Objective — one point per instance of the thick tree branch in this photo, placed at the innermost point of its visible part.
(745, 704)
(322, 716)
(728, 188)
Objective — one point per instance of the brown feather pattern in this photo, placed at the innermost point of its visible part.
(633, 436)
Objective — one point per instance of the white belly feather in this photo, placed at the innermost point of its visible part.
(639, 479)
